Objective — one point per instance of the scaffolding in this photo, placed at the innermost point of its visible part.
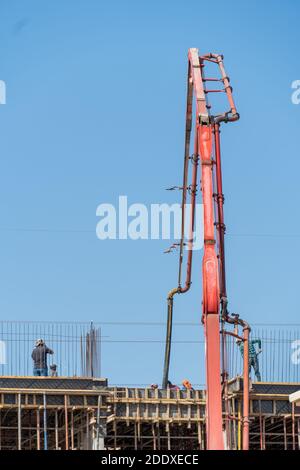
(77, 410)
(146, 419)
(175, 419)
(45, 413)
(67, 413)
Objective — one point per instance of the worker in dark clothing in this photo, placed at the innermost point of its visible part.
(172, 386)
(39, 356)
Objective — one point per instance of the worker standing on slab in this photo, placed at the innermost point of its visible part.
(39, 357)
(172, 386)
(187, 385)
(253, 355)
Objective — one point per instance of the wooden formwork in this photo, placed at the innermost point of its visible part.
(74, 413)
(156, 419)
(38, 418)
(274, 421)
(175, 419)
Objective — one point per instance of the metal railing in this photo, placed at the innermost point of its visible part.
(76, 347)
(279, 359)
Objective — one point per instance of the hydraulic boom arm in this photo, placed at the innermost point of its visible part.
(207, 152)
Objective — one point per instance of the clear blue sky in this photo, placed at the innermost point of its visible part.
(96, 108)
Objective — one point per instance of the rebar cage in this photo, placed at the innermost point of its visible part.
(76, 347)
(279, 359)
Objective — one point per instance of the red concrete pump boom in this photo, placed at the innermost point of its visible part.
(206, 152)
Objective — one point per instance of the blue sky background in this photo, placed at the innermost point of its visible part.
(96, 108)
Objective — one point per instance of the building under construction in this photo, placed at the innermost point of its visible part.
(80, 410)
(84, 413)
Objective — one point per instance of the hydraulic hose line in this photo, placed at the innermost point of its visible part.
(193, 191)
(168, 338)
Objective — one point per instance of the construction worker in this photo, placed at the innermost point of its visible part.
(253, 355)
(187, 384)
(172, 386)
(39, 357)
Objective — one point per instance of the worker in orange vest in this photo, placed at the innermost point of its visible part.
(187, 384)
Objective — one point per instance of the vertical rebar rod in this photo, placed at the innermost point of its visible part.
(234, 423)
(45, 422)
(38, 436)
(72, 430)
(284, 433)
(260, 427)
(56, 429)
(115, 434)
(293, 425)
(66, 423)
(98, 421)
(87, 430)
(19, 423)
(273, 362)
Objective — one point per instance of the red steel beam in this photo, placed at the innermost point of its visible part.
(210, 277)
(213, 263)
(207, 149)
(246, 331)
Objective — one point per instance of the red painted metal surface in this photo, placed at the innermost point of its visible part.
(210, 296)
(210, 268)
(213, 263)
(207, 149)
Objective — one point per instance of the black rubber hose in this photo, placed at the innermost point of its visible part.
(168, 343)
